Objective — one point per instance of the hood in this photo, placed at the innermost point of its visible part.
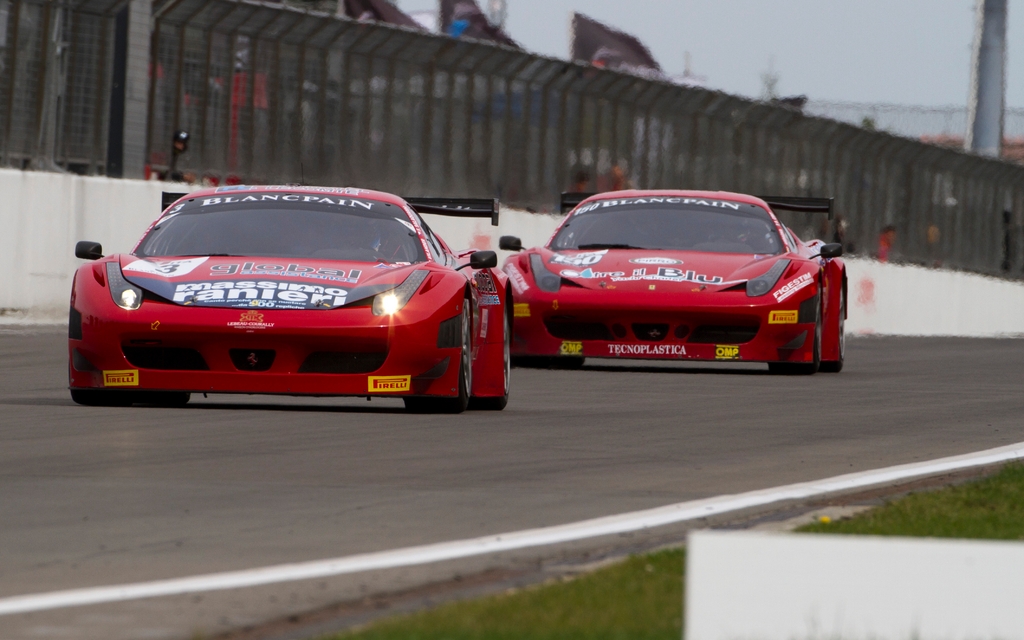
(267, 283)
(636, 269)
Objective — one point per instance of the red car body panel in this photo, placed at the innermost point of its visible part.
(145, 349)
(677, 305)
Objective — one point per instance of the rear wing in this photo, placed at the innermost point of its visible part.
(167, 198)
(571, 200)
(801, 205)
(458, 207)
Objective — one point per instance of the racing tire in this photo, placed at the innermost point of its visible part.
(497, 403)
(459, 403)
(537, 362)
(835, 366)
(96, 398)
(801, 368)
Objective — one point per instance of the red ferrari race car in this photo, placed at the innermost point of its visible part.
(293, 290)
(680, 275)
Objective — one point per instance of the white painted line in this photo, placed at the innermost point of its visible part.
(409, 556)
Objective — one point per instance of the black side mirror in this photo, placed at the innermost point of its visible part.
(510, 243)
(87, 250)
(483, 260)
(831, 250)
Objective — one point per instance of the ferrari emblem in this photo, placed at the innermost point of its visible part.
(252, 359)
(651, 287)
(251, 316)
(554, 305)
(155, 325)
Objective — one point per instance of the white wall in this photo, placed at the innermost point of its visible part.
(42, 215)
(782, 586)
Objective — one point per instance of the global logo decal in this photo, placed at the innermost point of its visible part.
(655, 261)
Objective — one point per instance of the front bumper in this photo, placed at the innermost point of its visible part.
(342, 352)
(702, 326)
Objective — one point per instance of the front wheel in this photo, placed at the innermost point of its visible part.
(459, 403)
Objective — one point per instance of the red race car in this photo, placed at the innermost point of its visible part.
(293, 290)
(680, 275)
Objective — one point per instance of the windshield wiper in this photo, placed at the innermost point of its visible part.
(606, 245)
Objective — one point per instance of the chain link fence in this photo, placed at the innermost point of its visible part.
(272, 94)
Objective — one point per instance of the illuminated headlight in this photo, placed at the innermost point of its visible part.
(125, 295)
(391, 302)
(767, 280)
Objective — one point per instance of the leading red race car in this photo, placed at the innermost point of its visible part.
(293, 290)
(680, 275)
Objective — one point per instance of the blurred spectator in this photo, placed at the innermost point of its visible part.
(179, 145)
(933, 237)
(886, 239)
(839, 234)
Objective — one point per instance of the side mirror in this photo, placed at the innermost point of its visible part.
(483, 260)
(831, 250)
(87, 250)
(510, 243)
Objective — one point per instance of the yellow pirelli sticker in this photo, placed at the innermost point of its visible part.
(521, 310)
(727, 352)
(783, 317)
(389, 384)
(571, 349)
(124, 378)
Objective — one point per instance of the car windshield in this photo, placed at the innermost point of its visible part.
(282, 225)
(684, 224)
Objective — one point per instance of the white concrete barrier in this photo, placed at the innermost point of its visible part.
(42, 215)
(785, 586)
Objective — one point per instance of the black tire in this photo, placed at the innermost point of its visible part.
(801, 368)
(835, 366)
(538, 362)
(459, 403)
(97, 398)
(497, 403)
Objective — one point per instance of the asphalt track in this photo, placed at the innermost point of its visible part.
(92, 496)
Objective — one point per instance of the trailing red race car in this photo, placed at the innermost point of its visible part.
(680, 275)
(293, 290)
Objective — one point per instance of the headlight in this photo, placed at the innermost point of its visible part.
(546, 280)
(391, 302)
(767, 280)
(125, 295)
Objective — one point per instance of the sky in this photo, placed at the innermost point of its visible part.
(914, 52)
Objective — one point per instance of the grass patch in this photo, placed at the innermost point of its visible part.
(639, 599)
(991, 508)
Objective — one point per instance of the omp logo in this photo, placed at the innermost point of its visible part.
(522, 310)
(727, 352)
(783, 317)
(251, 316)
(125, 378)
(389, 384)
(571, 349)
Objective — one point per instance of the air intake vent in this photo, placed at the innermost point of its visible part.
(252, 359)
(340, 362)
(710, 334)
(449, 335)
(578, 330)
(650, 332)
(165, 358)
(75, 325)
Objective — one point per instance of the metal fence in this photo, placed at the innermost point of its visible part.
(274, 94)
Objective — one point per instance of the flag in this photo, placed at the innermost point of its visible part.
(464, 18)
(379, 11)
(608, 48)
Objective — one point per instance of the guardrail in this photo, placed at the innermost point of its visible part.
(273, 94)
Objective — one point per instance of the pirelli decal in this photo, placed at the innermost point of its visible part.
(389, 384)
(123, 378)
(784, 317)
(522, 310)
